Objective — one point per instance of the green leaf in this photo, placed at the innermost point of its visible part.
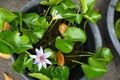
(64, 13)
(90, 4)
(75, 34)
(65, 47)
(79, 18)
(14, 41)
(96, 16)
(92, 16)
(53, 55)
(59, 72)
(2, 20)
(68, 4)
(50, 2)
(106, 55)
(39, 76)
(15, 23)
(83, 4)
(117, 28)
(22, 62)
(94, 68)
(55, 79)
(33, 20)
(34, 35)
(7, 15)
(118, 6)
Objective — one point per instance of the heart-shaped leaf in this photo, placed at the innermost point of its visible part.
(94, 68)
(106, 55)
(34, 35)
(65, 47)
(33, 20)
(7, 15)
(75, 34)
(15, 42)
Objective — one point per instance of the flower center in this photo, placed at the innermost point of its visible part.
(41, 58)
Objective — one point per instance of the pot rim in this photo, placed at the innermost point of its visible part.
(94, 29)
(110, 25)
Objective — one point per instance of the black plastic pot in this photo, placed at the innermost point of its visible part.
(110, 25)
(94, 36)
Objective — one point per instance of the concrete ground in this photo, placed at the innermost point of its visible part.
(113, 68)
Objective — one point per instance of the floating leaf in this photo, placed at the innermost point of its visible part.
(75, 34)
(65, 47)
(94, 68)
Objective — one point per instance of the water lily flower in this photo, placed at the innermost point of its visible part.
(41, 58)
(56, 15)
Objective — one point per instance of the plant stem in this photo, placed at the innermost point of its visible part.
(85, 52)
(77, 62)
(27, 52)
(78, 55)
(21, 21)
(102, 59)
(47, 11)
(51, 26)
(85, 24)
